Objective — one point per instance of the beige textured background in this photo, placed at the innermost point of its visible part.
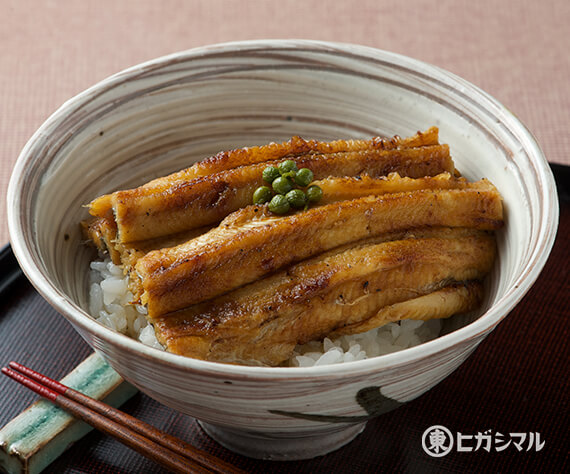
(517, 50)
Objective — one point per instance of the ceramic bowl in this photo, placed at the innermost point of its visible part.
(165, 114)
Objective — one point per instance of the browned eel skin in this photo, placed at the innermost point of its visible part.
(297, 146)
(250, 243)
(343, 290)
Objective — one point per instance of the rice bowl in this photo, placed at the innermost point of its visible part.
(203, 100)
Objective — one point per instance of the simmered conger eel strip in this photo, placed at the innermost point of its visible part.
(146, 213)
(455, 298)
(250, 243)
(103, 233)
(296, 146)
(346, 290)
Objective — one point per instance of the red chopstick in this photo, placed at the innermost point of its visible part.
(171, 452)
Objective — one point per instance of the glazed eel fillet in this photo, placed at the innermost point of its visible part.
(297, 146)
(149, 212)
(422, 274)
(251, 243)
(103, 233)
(334, 189)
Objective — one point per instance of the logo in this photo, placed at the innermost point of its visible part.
(437, 441)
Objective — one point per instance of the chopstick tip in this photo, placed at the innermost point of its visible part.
(14, 364)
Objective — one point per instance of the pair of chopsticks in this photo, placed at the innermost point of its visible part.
(169, 451)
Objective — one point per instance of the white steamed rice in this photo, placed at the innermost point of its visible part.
(109, 303)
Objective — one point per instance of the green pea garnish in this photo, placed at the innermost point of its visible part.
(287, 166)
(284, 192)
(270, 173)
(262, 195)
(289, 174)
(314, 193)
(282, 185)
(279, 204)
(304, 177)
(296, 198)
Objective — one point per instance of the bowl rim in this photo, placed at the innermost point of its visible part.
(476, 329)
